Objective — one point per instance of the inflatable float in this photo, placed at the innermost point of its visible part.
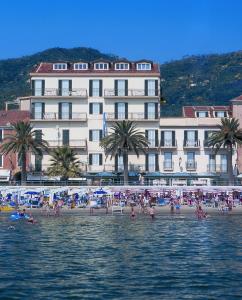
(17, 216)
(6, 208)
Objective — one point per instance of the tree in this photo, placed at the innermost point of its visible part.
(228, 136)
(64, 163)
(23, 141)
(124, 138)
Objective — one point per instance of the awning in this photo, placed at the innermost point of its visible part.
(4, 175)
(105, 174)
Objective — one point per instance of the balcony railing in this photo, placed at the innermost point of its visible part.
(82, 144)
(131, 116)
(191, 165)
(136, 167)
(169, 143)
(217, 168)
(168, 165)
(52, 116)
(51, 92)
(191, 144)
(131, 93)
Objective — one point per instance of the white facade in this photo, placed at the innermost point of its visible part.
(69, 107)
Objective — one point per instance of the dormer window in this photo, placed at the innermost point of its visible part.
(60, 66)
(101, 66)
(80, 66)
(122, 66)
(220, 114)
(202, 114)
(143, 66)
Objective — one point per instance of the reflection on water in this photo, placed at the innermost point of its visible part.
(113, 257)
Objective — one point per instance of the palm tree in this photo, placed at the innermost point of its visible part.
(228, 136)
(23, 141)
(64, 163)
(124, 138)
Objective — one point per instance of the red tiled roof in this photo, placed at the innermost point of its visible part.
(239, 98)
(190, 111)
(11, 116)
(48, 68)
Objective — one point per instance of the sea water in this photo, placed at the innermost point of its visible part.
(114, 257)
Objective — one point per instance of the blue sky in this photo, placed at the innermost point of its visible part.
(158, 30)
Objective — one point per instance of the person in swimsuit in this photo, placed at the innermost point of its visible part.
(152, 212)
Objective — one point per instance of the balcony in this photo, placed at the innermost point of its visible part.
(130, 93)
(191, 144)
(191, 166)
(168, 165)
(53, 116)
(51, 92)
(217, 168)
(168, 144)
(77, 144)
(153, 144)
(136, 168)
(131, 116)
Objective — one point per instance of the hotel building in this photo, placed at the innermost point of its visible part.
(74, 104)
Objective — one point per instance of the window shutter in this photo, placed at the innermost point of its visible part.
(146, 134)
(196, 135)
(33, 87)
(1, 135)
(70, 110)
(100, 88)
(146, 110)
(43, 88)
(146, 87)
(65, 137)
(101, 108)
(162, 142)
(116, 163)
(90, 108)
(205, 138)
(33, 110)
(185, 137)
(100, 159)
(115, 87)
(157, 162)
(126, 111)
(70, 86)
(90, 159)
(173, 138)
(90, 135)
(156, 87)
(156, 110)
(100, 134)
(60, 111)
(206, 113)
(116, 110)
(43, 110)
(146, 162)
(126, 88)
(156, 138)
(90, 88)
(38, 135)
(60, 87)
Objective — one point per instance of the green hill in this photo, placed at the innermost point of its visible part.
(195, 80)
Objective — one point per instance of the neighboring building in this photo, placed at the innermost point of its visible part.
(9, 164)
(76, 103)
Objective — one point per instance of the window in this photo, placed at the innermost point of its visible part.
(120, 162)
(95, 159)
(224, 163)
(143, 66)
(59, 66)
(212, 163)
(120, 87)
(80, 66)
(38, 135)
(38, 87)
(190, 138)
(95, 108)
(151, 162)
(1, 160)
(191, 160)
(65, 137)
(168, 138)
(151, 111)
(95, 135)
(220, 114)
(202, 114)
(65, 111)
(65, 86)
(151, 88)
(168, 160)
(121, 111)
(95, 88)
(101, 66)
(151, 137)
(38, 110)
(122, 66)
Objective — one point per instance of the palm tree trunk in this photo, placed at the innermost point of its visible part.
(24, 168)
(230, 165)
(126, 171)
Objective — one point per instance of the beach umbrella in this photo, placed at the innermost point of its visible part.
(31, 193)
(100, 192)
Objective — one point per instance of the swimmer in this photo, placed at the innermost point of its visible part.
(11, 227)
(152, 212)
(31, 220)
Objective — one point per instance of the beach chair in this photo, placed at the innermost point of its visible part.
(117, 208)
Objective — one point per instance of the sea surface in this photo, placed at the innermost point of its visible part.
(114, 257)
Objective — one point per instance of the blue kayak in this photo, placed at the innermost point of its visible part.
(16, 216)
